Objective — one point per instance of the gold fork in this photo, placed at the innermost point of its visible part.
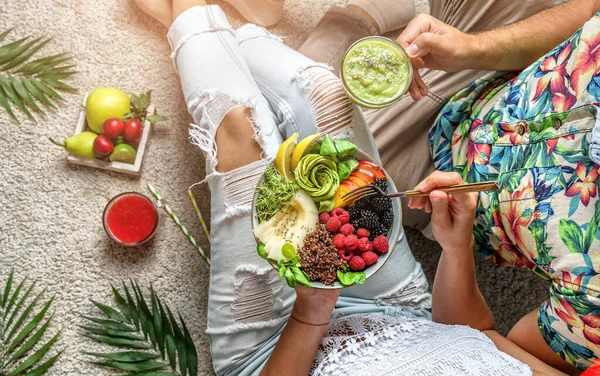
(372, 190)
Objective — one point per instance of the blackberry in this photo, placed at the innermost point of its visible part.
(363, 203)
(379, 230)
(381, 184)
(356, 223)
(387, 218)
(354, 213)
(368, 220)
(381, 204)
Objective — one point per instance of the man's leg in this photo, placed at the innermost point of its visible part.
(248, 304)
(400, 130)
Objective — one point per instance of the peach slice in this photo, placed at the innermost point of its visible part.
(373, 168)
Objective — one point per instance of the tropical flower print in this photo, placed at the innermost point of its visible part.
(554, 77)
(478, 153)
(585, 186)
(572, 323)
(587, 61)
(515, 215)
(531, 133)
(552, 142)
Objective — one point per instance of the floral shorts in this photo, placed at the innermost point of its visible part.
(538, 134)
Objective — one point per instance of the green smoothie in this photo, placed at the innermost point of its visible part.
(376, 71)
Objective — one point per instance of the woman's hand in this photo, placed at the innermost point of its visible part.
(452, 215)
(299, 341)
(430, 43)
(314, 306)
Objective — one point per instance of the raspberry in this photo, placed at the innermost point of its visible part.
(323, 218)
(347, 229)
(333, 224)
(381, 244)
(351, 242)
(344, 218)
(363, 233)
(345, 254)
(364, 245)
(357, 263)
(338, 211)
(369, 257)
(339, 241)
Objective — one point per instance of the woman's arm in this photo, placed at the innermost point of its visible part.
(296, 349)
(456, 296)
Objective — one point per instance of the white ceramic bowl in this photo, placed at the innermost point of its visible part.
(393, 235)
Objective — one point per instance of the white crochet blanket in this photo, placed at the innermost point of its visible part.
(381, 345)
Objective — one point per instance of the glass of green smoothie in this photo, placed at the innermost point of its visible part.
(376, 72)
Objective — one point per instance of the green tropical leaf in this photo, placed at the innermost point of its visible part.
(571, 235)
(147, 338)
(31, 360)
(111, 324)
(7, 288)
(592, 228)
(25, 348)
(153, 119)
(4, 34)
(26, 84)
(125, 356)
(44, 367)
(19, 304)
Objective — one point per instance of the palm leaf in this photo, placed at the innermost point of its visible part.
(27, 84)
(25, 348)
(146, 337)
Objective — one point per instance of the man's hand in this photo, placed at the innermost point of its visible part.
(430, 43)
(452, 215)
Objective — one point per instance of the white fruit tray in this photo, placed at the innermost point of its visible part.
(127, 168)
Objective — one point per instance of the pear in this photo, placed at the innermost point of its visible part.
(81, 144)
(105, 103)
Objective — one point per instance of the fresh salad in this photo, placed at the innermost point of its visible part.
(306, 228)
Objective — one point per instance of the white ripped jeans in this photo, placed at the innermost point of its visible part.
(222, 69)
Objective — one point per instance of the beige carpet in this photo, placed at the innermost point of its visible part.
(50, 211)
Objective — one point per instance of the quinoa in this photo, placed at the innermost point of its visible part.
(319, 257)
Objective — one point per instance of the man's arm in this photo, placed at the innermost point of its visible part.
(515, 46)
(433, 44)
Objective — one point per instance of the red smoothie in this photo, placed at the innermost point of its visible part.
(130, 218)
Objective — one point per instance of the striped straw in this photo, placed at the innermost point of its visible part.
(178, 222)
(197, 209)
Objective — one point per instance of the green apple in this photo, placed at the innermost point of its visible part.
(105, 103)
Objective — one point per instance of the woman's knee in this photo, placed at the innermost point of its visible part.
(235, 140)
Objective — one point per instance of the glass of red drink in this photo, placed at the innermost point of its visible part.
(130, 219)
